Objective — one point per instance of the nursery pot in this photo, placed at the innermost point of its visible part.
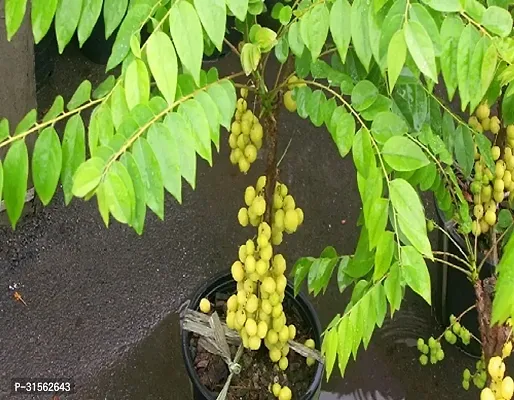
(224, 283)
(454, 292)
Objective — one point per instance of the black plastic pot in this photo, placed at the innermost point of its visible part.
(225, 284)
(454, 292)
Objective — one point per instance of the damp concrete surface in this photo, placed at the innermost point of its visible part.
(101, 303)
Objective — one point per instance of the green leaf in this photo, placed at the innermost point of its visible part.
(377, 221)
(250, 57)
(360, 31)
(484, 146)
(444, 5)
(42, 15)
(224, 95)
(383, 255)
(90, 12)
(464, 149)
(302, 64)
(340, 26)
(213, 15)
(26, 123)
(396, 56)
(468, 40)
(356, 322)
(139, 214)
(285, 15)
(135, 45)
(314, 27)
(66, 21)
(402, 154)
(331, 346)
(101, 129)
(16, 169)
(344, 133)
(488, 70)
(213, 116)
(4, 130)
(186, 144)
(328, 110)
(393, 22)
(114, 11)
(420, 14)
(104, 88)
(131, 24)
(73, 153)
(119, 107)
(344, 349)
(498, 21)
(55, 110)
(14, 13)
(387, 125)
(379, 299)
(300, 271)
(150, 175)
(335, 118)
(412, 102)
(504, 219)
(503, 307)
(343, 279)
(416, 272)
(193, 113)
(451, 31)
(238, 7)
(367, 308)
(137, 84)
(282, 49)
(421, 48)
(81, 95)
(475, 72)
(362, 261)
(46, 164)
(364, 95)
(363, 154)
(410, 215)
(186, 32)
(381, 104)
(119, 193)
(508, 105)
(320, 274)
(164, 145)
(295, 39)
(315, 107)
(275, 12)
(88, 176)
(393, 288)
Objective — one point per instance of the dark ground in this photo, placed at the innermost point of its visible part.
(102, 302)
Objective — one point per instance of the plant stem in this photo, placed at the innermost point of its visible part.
(285, 152)
(443, 253)
(457, 319)
(451, 239)
(499, 239)
(467, 273)
(232, 47)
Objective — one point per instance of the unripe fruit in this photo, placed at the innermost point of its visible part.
(283, 363)
(507, 179)
(275, 355)
(423, 359)
(262, 241)
(265, 230)
(254, 343)
(278, 323)
(507, 389)
(289, 203)
(249, 287)
(276, 238)
(285, 394)
(498, 196)
(231, 316)
(283, 190)
(266, 252)
(261, 267)
(235, 129)
(486, 124)
(254, 276)
(242, 297)
(277, 311)
(309, 343)
(283, 335)
(244, 92)
(279, 265)
(310, 361)
(241, 317)
(246, 126)
(232, 303)
(499, 186)
(233, 157)
(276, 389)
(242, 216)
(277, 201)
(281, 284)
(510, 131)
(279, 219)
(242, 141)
(475, 228)
(473, 122)
(499, 169)
(244, 337)
(244, 165)
(291, 220)
(256, 133)
(299, 213)
(242, 253)
(475, 187)
(483, 111)
(252, 304)
(495, 152)
(261, 182)
(249, 195)
(205, 306)
(507, 349)
(268, 285)
(238, 272)
(251, 327)
(259, 205)
(272, 336)
(266, 306)
(262, 329)
(250, 264)
(289, 102)
(486, 193)
(232, 141)
(250, 153)
(241, 105)
(490, 217)
(478, 211)
(484, 226)
(274, 298)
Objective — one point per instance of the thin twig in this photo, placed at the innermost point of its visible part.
(492, 249)
(451, 239)
(457, 319)
(467, 273)
(232, 47)
(444, 253)
(285, 151)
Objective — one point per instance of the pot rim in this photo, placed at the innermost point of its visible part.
(210, 286)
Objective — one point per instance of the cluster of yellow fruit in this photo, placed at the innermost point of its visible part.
(245, 137)
(281, 392)
(501, 388)
(286, 217)
(483, 122)
(289, 101)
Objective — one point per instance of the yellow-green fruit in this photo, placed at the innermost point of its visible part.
(486, 193)
(232, 303)
(261, 267)
(248, 116)
(487, 394)
(309, 343)
(507, 349)
(490, 205)
(510, 163)
(278, 323)
(205, 306)
(507, 389)
(494, 127)
(292, 80)
(272, 337)
(241, 105)
(244, 165)
(262, 240)
(283, 363)
(238, 115)
(475, 228)
(490, 217)
(510, 131)
(261, 182)
(483, 111)
(499, 185)
(279, 265)
(473, 121)
(266, 252)
(289, 102)
(254, 276)
(238, 272)
(256, 133)
(489, 174)
(244, 92)
(291, 220)
(240, 286)
(499, 169)
(495, 152)
(241, 317)
(254, 220)
(266, 306)
(250, 153)
(249, 287)
(275, 355)
(478, 211)
(262, 329)
(498, 196)
(249, 195)
(246, 126)
(251, 327)
(233, 157)
(242, 216)
(250, 247)
(242, 253)
(265, 230)
(274, 298)
(277, 201)
(276, 389)
(257, 143)
(249, 262)
(235, 129)
(292, 332)
(252, 304)
(254, 343)
(486, 124)
(268, 285)
(279, 219)
(496, 368)
(510, 142)
(281, 284)
(242, 296)
(277, 311)
(232, 141)
(507, 151)
(299, 213)
(289, 203)
(277, 238)
(310, 361)
(259, 205)
(283, 189)
(285, 350)
(484, 226)
(507, 179)
(242, 141)
(244, 337)
(231, 317)
(285, 394)
(265, 318)
(283, 335)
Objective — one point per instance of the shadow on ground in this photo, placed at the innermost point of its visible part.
(102, 302)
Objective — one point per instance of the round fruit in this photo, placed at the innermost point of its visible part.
(256, 133)
(274, 298)
(487, 394)
(478, 211)
(276, 238)
(242, 216)
(279, 219)
(244, 165)
(490, 217)
(268, 285)
(495, 152)
(252, 304)
(277, 311)
(507, 349)
(259, 205)
(483, 111)
(250, 247)
(265, 230)
(254, 343)
(262, 329)
(242, 297)
(498, 196)
(473, 122)
(242, 253)
(499, 185)
(289, 102)
(281, 284)
(510, 131)
(285, 394)
(241, 317)
(261, 182)
(266, 252)
(276, 389)
(261, 267)
(249, 195)
(251, 327)
(293, 79)
(275, 355)
(494, 127)
(289, 203)
(205, 306)
(250, 263)
(283, 335)
(507, 179)
(241, 105)
(484, 226)
(249, 287)
(496, 368)
(250, 153)
(242, 141)
(299, 213)
(272, 336)
(507, 388)
(291, 220)
(279, 265)
(486, 124)
(283, 363)
(266, 306)
(231, 316)
(309, 343)
(423, 359)
(278, 323)
(238, 272)
(244, 92)
(475, 228)
(278, 202)
(262, 241)
(232, 303)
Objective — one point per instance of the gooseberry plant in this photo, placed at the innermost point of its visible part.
(391, 80)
